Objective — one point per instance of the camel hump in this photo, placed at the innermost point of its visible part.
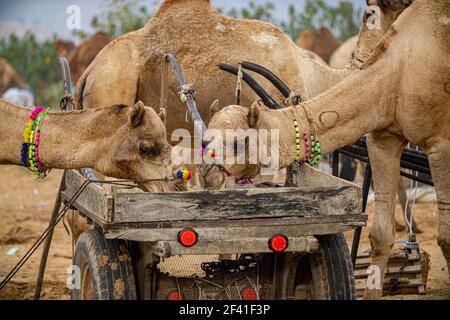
(168, 3)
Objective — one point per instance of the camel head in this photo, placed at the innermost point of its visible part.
(232, 117)
(378, 18)
(139, 150)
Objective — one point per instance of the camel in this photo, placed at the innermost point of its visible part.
(399, 94)
(320, 41)
(9, 78)
(200, 37)
(343, 55)
(120, 141)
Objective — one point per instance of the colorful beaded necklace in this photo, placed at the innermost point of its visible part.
(30, 146)
(312, 148)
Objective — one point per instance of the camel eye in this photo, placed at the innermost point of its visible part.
(150, 151)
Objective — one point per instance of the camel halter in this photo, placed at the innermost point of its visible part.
(30, 146)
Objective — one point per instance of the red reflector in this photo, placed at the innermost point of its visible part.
(174, 295)
(187, 237)
(249, 294)
(278, 243)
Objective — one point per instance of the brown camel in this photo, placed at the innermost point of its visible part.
(401, 93)
(200, 37)
(9, 77)
(320, 41)
(119, 141)
(368, 39)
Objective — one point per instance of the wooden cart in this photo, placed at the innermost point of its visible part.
(135, 249)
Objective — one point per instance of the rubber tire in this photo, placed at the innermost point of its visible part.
(109, 264)
(332, 269)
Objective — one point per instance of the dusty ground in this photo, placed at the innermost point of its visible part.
(25, 207)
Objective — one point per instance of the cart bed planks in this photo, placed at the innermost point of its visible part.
(234, 204)
(325, 207)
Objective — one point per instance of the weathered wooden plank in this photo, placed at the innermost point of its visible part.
(346, 221)
(221, 233)
(231, 246)
(94, 200)
(235, 204)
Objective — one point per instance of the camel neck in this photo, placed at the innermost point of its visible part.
(68, 140)
(342, 114)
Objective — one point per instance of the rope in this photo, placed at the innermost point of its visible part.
(60, 215)
(313, 125)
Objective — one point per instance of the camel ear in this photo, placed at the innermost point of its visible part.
(214, 107)
(162, 114)
(137, 114)
(254, 114)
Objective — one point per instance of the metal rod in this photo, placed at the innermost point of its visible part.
(199, 125)
(48, 240)
(336, 163)
(365, 195)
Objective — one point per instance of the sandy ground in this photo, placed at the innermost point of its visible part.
(25, 207)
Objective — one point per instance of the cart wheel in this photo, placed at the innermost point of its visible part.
(328, 273)
(106, 272)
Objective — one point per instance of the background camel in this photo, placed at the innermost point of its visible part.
(320, 41)
(120, 141)
(81, 57)
(401, 93)
(13, 88)
(9, 77)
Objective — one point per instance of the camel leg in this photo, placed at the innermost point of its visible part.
(402, 196)
(439, 158)
(384, 152)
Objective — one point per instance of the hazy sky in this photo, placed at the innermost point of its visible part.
(46, 17)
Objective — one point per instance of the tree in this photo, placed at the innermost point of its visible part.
(254, 11)
(343, 19)
(122, 16)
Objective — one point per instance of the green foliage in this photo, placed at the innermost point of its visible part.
(343, 19)
(122, 16)
(254, 11)
(37, 63)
